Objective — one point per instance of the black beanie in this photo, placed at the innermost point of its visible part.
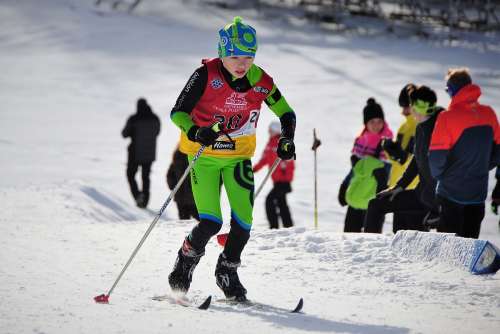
(372, 110)
(425, 94)
(404, 95)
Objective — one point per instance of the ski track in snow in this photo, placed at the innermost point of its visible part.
(52, 269)
(71, 76)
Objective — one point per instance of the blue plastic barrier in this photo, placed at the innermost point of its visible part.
(477, 256)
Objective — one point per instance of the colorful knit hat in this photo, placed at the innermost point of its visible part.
(237, 39)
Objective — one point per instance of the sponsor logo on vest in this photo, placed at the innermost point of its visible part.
(217, 83)
(260, 89)
(224, 145)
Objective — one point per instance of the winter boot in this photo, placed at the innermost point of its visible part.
(187, 259)
(140, 201)
(227, 279)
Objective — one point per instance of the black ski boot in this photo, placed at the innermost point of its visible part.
(227, 279)
(187, 259)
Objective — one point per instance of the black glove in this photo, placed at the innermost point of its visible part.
(392, 192)
(431, 220)
(342, 192)
(204, 135)
(286, 148)
(495, 198)
(316, 144)
(394, 150)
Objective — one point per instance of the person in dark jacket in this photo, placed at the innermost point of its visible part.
(495, 195)
(276, 204)
(465, 146)
(184, 196)
(401, 151)
(143, 127)
(398, 198)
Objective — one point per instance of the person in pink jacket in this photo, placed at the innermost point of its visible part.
(276, 204)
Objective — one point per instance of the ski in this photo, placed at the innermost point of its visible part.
(183, 301)
(262, 306)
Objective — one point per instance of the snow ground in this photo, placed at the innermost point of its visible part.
(70, 77)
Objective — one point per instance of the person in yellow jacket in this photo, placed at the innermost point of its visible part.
(400, 153)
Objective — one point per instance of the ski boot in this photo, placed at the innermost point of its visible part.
(187, 260)
(227, 279)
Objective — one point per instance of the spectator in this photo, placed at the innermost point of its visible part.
(464, 147)
(143, 128)
(369, 171)
(276, 204)
(401, 152)
(184, 195)
(495, 195)
(400, 199)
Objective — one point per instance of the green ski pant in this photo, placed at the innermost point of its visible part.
(237, 178)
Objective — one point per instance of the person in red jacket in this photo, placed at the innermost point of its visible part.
(465, 146)
(276, 204)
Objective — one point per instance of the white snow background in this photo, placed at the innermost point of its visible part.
(70, 77)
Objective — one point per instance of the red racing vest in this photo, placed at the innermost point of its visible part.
(237, 112)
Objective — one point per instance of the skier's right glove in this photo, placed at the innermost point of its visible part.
(204, 135)
(392, 192)
(286, 148)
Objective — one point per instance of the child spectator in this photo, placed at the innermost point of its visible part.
(400, 152)
(400, 198)
(369, 171)
(276, 204)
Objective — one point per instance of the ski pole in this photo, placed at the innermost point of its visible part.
(104, 298)
(271, 170)
(315, 146)
(221, 238)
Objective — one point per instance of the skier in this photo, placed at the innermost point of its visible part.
(401, 151)
(143, 128)
(184, 196)
(370, 168)
(230, 90)
(276, 205)
(400, 198)
(465, 145)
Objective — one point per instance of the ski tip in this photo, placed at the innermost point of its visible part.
(299, 306)
(206, 304)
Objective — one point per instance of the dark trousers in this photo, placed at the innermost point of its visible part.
(464, 220)
(406, 202)
(276, 205)
(408, 221)
(354, 219)
(132, 168)
(187, 211)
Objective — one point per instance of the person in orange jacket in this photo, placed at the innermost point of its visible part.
(465, 146)
(276, 204)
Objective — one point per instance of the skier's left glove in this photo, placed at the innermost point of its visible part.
(286, 148)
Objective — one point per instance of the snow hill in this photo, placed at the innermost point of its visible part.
(71, 74)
